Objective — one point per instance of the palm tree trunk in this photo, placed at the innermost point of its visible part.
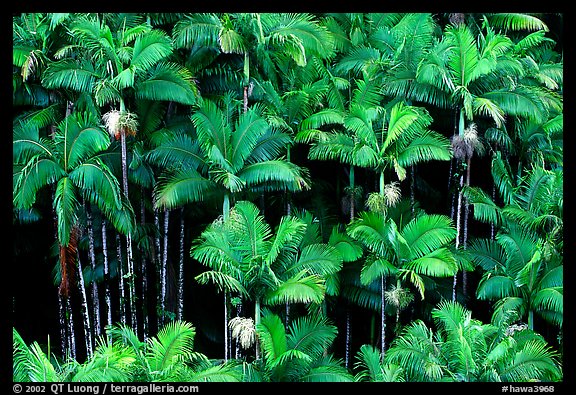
(85, 315)
(121, 289)
(256, 323)
(225, 326)
(143, 273)
(107, 296)
(352, 193)
(531, 319)
(458, 226)
(70, 332)
(62, 326)
(465, 235)
(383, 317)
(129, 259)
(348, 336)
(157, 245)
(164, 267)
(93, 284)
(180, 311)
(412, 189)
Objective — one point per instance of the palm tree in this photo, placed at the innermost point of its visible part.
(416, 250)
(122, 357)
(119, 60)
(267, 45)
(233, 154)
(245, 256)
(70, 162)
(371, 368)
(297, 354)
(464, 349)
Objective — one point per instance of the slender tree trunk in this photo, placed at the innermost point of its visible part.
(256, 323)
(412, 189)
(465, 235)
(144, 273)
(458, 226)
(383, 317)
(348, 337)
(107, 296)
(493, 199)
(85, 315)
(121, 289)
(93, 284)
(157, 244)
(164, 269)
(180, 311)
(226, 214)
(71, 333)
(352, 193)
(64, 346)
(225, 326)
(129, 258)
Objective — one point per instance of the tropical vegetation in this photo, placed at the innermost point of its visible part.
(273, 197)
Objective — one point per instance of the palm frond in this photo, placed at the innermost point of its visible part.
(349, 249)
(274, 175)
(172, 345)
(485, 209)
(488, 254)
(516, 21)
(168, 82)
(301, 288)
(69, 74)
(272, 335)
(181, 187)
(311, 334)
(427, 233)
(494, 287)
(251, 127)
(30, 364)
(438, 263)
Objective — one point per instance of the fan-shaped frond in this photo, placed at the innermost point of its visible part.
(279, 174)
(496, 287)
(30, 363)
(272, 335)
(438, 263)
(301, 288)
(69, 74)
(427, 233)
(311, 334)
(168, 82)
(181, 187)
(172, 345)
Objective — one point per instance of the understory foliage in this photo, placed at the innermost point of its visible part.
(273, 197)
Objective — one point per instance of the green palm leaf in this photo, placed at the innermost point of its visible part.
(33, 177)
(180, 188)
(30, 364)
(248, 131)
(427, 233)
(311, 334)
(496, 287)
(272, 336)
(70, 74)
(438, 263)
(168, 82)
(173, 344)
(274, 175)
(150, 48)
(301, 288)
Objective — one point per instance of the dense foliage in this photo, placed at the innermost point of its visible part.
(288, 197)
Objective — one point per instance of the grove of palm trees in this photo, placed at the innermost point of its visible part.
(274, 197)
